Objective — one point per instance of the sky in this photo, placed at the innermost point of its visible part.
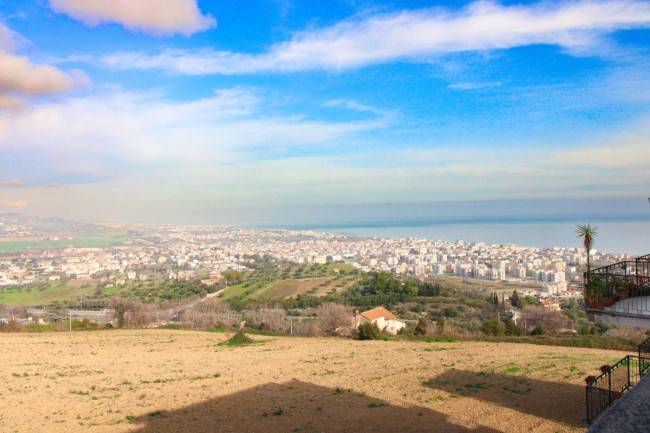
(174, 110)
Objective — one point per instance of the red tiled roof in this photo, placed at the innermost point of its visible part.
(376, 313)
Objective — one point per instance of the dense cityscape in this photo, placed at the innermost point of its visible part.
(155, 252)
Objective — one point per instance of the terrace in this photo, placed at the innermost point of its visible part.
(619, 294)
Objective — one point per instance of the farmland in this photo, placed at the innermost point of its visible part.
(29, 296)
(184, 381)
(84, 241)
(289, 281)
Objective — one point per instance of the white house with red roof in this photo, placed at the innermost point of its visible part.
(385, 320)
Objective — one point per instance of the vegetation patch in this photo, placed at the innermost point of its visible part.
(239, 339)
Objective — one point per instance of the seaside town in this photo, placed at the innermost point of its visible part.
(154, 252)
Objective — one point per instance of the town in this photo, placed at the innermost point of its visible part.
(164, 252)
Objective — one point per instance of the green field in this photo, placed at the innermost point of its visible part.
(109, 290)
(23, 297)
(77, 242)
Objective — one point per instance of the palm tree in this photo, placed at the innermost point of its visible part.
(587, 233)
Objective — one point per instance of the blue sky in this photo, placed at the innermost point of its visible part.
(132, 109)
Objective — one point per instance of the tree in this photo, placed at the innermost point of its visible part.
(550, 320)
(440, 327)
(515, 300)
(513, 329)
(587, 233)
(233, 276)
(56, 312)
(422, 327)
(493, 327)
(539, 330)
(333, 316)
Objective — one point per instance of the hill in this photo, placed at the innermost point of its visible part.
(19, 232)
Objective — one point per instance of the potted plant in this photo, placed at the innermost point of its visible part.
(608, 292)
(594, 293)
(622, 288)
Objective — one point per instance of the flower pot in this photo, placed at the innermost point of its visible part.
(608, 301)
(595, 304)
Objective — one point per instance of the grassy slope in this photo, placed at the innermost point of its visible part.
(77, 242)
(35, 297)
(470, 284)
(290, 281)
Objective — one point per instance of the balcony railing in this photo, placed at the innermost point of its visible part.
(622, 288)
(604, 390)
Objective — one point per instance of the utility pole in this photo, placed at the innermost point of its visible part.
(291, 321)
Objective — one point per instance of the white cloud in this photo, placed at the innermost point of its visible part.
(15, 182)
(7, 102)
(413, 35)
(474, 85)
(158, 17)
(18, 74)
(354, 106)
(8, 38)
(20, 78)
(13, 203)
(104, 135)
(621, 156)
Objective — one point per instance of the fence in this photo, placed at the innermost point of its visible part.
(644, 357)
(604, 390)
(620, 288)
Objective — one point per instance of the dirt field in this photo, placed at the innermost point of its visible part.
(180, 381)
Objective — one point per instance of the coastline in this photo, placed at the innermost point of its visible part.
(622, 236)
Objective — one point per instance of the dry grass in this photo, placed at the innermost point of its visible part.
(181, 381)
(291, 288)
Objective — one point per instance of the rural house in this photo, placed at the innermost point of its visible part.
(385, 320)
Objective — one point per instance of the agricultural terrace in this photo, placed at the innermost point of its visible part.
(288, 281)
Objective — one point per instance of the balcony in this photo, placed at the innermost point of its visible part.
(620, 293)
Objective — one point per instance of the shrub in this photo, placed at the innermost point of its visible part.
(83, 324)
(422, 327)
(368, 331)
(441, 324)
(450, 312)
(10, 326)
(538, 331)
(239, 339)
(493, 327)
(513, 329)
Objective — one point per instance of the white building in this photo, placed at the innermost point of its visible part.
(385, 320)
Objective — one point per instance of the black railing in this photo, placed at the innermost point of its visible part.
(605, 389)
(627, 281)
(644, 357)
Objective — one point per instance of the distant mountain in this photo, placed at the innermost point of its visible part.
(49, 225)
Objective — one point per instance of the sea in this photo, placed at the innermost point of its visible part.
(623, 224)
(616, 237)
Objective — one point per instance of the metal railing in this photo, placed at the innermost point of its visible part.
(644, 357)
(605, 389)
(621, 288)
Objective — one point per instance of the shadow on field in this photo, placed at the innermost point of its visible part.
(550, 400)
(298, 407)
